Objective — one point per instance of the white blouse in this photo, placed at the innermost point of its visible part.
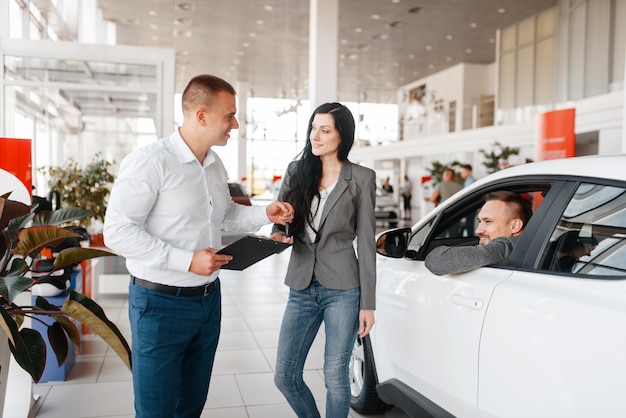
(317, 207)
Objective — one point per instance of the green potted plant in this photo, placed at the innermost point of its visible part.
(86, 188)
(24, 234)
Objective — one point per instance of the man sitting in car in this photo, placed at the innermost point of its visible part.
(500, 221)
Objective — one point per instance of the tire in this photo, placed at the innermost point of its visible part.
(363, 380)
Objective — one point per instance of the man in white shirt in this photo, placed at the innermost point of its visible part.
(165, 215)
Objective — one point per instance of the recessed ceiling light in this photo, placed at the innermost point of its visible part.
(268, 8)
(343, 42)
(183, 21)
(395, 24)
(252, 34)
(428, 47)
(501, 10)
(473, 25)
(448, 59)
(376, 17)
(468, 51)
(259, 22)
(246, 45)
(152, 13)
(396, 64)
(184, 7)
(411, 56)
(449, 37)
(358, 30)
(431, 67)
(182, 33)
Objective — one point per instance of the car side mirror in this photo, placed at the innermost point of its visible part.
(393, 243)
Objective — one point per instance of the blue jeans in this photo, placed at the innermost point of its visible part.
(305, 311)
(174, 339)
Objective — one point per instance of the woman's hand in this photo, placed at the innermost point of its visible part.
(277, 236)
(366, 322)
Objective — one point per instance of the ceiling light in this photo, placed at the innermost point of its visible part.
(252, 34)
(468, 51)
(473, 25)
(429, 48)
(186, 7)
(395, 24)
(182, 21)
(448, 59)
(268, 8)
(376, 17)
(449, 37)
(343, 42)
(182, 33)
(411, 56)
(501, 10)
(431, 67)
(260, 22)
(152, 13)
(358, 30)
(246, 45)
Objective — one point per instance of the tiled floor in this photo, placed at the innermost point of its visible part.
(242, 386)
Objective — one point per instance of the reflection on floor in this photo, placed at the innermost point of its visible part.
(242, 386)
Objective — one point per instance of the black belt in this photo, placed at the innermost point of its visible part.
(203, 290)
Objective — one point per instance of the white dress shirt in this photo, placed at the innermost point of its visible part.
(165, 205)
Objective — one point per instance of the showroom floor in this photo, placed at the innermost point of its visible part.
(99, 385)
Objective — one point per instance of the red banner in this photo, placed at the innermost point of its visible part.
(556, 137)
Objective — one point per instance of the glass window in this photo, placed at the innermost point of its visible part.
(590, 237)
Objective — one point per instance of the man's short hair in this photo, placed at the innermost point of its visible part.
(202, 91)
(520, 207)
(467, 166)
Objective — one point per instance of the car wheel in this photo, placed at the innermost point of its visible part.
(363, 380)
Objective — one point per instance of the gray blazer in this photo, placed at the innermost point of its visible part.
(348, 214)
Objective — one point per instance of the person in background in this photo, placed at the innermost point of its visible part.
(466, 174)
(407, 194)
(329, 280)
(443, 190)
(501, 221)
(165, 215)
(387, 186)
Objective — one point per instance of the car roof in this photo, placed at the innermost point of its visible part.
(599, 166)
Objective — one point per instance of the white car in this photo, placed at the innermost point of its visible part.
(522, 340)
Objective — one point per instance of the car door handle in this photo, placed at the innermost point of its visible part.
(468, 302)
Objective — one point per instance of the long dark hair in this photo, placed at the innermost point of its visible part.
(305, 177)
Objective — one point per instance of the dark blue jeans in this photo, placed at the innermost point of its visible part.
(305, 311)
(174, 339)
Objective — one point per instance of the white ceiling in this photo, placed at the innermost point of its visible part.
(383, 44)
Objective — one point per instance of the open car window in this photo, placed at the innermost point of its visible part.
(590, 237)
(446, 228)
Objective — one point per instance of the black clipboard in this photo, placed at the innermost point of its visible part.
(250, 249)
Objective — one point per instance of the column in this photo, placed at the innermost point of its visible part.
(323, 47)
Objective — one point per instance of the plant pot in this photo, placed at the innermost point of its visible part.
(5, 360)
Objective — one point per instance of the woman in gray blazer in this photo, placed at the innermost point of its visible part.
(329, 280)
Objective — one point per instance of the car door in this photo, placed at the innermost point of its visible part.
(429, 326)
(554, 341)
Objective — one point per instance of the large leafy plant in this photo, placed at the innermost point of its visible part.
(24, 234)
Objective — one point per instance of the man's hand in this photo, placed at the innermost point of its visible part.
(206, 261)
(280, 212)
